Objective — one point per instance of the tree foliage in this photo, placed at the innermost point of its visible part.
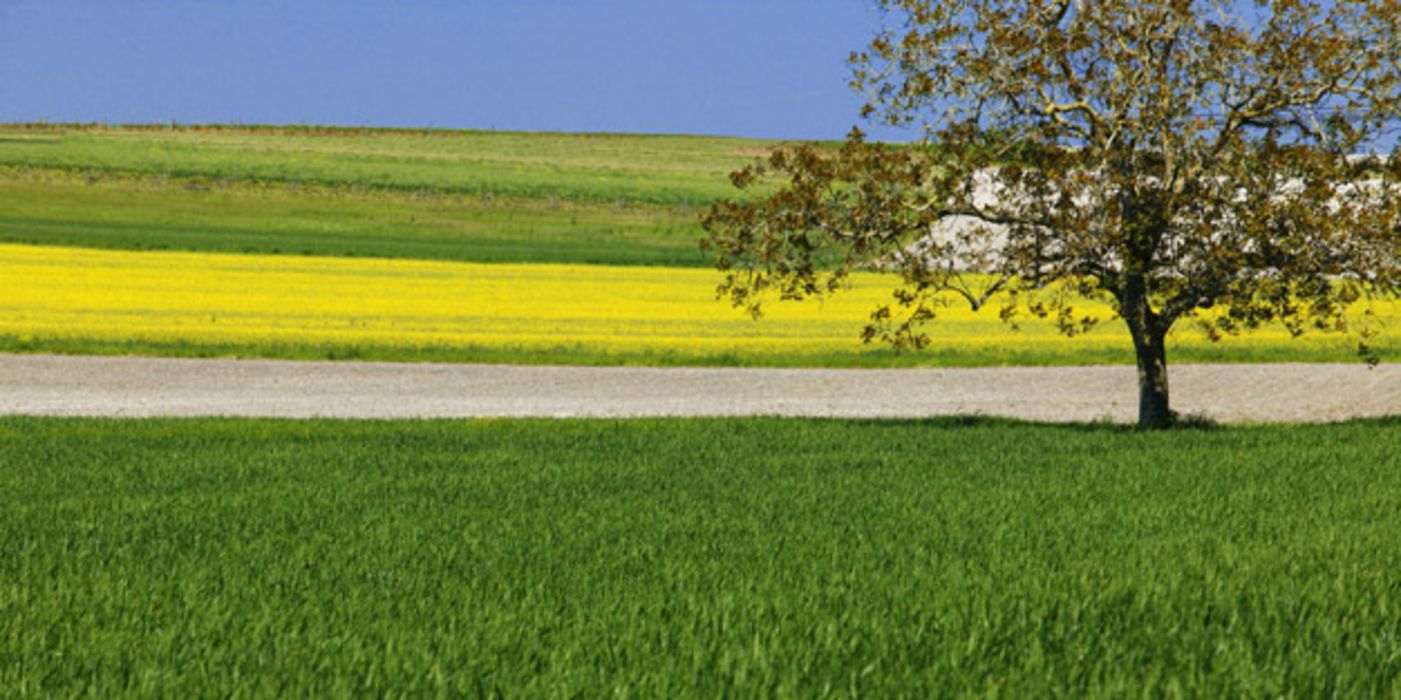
(1173, 156)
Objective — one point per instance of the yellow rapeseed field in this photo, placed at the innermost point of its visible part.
(299, 306)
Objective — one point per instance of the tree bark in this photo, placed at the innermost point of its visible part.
(1150, 347)
(1149, 333)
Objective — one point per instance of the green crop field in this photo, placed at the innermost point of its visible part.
(56, 207)
(443, 195)
(602, 168)
(680, 558)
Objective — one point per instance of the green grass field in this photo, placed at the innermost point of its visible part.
(443, 195)
(604, 168)
(675, 558)
(143, 212)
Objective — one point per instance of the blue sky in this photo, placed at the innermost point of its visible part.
(763, 68)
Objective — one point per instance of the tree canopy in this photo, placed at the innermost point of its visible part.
(1172, 156)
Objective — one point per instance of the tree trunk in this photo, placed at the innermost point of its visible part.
(1149, 344)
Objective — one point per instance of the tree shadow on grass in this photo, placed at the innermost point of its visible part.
(1184, 423)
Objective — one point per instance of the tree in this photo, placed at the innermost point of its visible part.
(1169, 156)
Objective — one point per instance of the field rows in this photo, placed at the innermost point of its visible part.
(147, 212)
(652, 558)
(557, 208)
(73, 299)
(586, 167)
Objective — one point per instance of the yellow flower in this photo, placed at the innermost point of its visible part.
(72, 294)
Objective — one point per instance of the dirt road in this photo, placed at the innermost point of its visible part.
(132, 386)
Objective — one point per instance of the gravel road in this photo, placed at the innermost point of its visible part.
(138, 386)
